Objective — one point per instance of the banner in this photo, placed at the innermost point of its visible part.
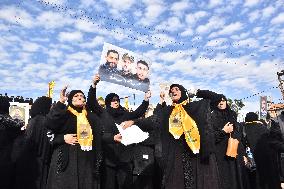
(19, 111)
(263, 107)
(124, 67)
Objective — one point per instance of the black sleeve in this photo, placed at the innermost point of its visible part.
(276, 142)
(92, 103)
(219, 135)
(159, 108)
(13, 126)
(139, 112)
(56, 117)
(148, 124)
(206, 94)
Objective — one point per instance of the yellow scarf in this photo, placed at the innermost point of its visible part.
(180, 122)
(84, 130)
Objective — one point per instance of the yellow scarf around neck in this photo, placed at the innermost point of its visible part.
(181, 123)
(84, 130)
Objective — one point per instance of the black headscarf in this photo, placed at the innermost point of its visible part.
(4, 105)
(41, 106)
(184, 95)
(251, 116)
(70, 96)
(115, 112)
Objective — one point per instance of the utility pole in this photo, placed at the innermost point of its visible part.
(281, 82)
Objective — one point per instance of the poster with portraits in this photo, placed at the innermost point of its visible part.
(263, 107)
(19, 111)
(124, 67)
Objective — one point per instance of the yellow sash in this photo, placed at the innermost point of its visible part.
(180, 122)
(84, 130)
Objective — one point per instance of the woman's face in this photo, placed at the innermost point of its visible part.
(78, 100)
(114, 102)
(222, 104)
(175, 94)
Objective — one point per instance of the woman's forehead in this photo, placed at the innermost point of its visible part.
(79, 94)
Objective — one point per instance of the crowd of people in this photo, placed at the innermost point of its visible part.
(76, 144)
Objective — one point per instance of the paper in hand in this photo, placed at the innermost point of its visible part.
(132, 135)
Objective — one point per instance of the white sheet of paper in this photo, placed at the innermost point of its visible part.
(132, 135)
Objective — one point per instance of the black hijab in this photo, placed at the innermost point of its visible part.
(70, 96)
(184, 95)
(41, 106)
(114, 112)
(4, 105)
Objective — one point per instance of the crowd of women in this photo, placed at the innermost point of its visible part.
(75, 144)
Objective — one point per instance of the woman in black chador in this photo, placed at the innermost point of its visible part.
(224, 122)
(117, 167)
(10, 129)
(33, 161)
(76, 164)
(187, 143)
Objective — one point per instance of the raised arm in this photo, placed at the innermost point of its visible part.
(57, 116)
(140, 111)
(92, 103)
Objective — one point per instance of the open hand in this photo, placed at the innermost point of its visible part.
(63, 96)
(71, 139)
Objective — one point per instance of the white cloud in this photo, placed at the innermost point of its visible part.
(172, 24)
(58, 2)
(180, 6)
(17, 16)
(191, 19)
(216, 42)
(70, 36)
(96, 41)
(52, 20)
(153, 10)
(54, 53)
(279, 19)
(87, 3)
(213, 23)
(231, 28)
(82, 56)
(121, 5)
(251, 3)
(257, 29)
(29, 47)
(268, 11)
(214, 3)
(187, 32)
(254, 15)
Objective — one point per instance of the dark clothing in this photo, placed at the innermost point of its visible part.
(228, 167)
(32, 164)
(117, 157)
(267, 152)
(10, 129)
(181, 168)
(70, 166)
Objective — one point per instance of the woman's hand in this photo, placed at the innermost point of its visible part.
(147, 95)
(245, 160)
(117, 138)
(162, 97)
(127, 124)
(96, 80)
(63, 96)
(71, 139)
(228, 128)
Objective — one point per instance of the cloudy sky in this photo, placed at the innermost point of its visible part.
(231, 47)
